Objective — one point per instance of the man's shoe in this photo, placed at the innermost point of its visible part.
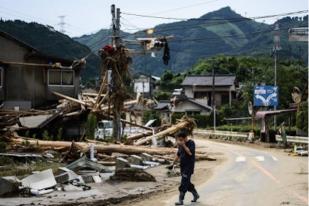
(195, 196)
(180, 202)
(181, 198)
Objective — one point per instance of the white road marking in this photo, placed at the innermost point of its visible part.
(240, 159)
(274, 158)
(260, 158)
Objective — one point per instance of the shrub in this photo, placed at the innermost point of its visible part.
(91, 125)
(45, 135)
(302, 117)
(59, 133)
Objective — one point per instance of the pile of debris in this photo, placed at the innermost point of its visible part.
(87, 162)
(81, 173)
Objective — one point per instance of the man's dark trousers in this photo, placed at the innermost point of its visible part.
(186, 184)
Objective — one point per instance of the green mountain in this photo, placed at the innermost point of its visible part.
(219, 32)
(98, 40)
(51, 42)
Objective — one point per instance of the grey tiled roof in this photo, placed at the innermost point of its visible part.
(162, 105)
(220, 80)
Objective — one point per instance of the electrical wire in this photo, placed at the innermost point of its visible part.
(185, 7)
(215, 22)
(210, 19)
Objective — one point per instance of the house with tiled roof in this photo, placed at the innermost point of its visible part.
(200, 88)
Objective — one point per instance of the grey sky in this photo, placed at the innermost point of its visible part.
(88, 16)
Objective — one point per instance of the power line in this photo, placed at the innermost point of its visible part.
(209, 24)
(240, 36)
(185, 7)
(214, 22)
(131, 24)
(211, 19)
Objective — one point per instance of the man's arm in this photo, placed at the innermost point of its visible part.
(187, 150)
(176, 159)
(190, 149)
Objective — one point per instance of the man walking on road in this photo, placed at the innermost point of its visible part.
(186, 155)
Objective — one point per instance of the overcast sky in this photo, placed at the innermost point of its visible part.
(88, 16)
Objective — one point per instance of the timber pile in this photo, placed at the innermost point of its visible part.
(67, 107)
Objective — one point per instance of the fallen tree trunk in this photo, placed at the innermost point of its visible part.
(184, 123)
(100, 148)
(138, 136)
(83, 146)
(128, 122)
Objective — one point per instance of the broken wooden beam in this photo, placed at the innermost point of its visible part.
(184, 123)
(70, 98)
(139, 135)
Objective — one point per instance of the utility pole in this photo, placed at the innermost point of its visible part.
(115, 26)
(275, 50)
(213, 101)
(116, 42)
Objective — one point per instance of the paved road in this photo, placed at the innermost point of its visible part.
(253, 177)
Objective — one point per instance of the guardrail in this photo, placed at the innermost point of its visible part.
(221, 133)
(293, 139)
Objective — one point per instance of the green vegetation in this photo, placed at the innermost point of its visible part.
(148, 115)
(250, 71)
(91, 125)
(247, 128)
(302, 117)
(59, 134)
(45, 135)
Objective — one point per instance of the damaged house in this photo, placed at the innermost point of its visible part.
(28, 76)
(200, 88)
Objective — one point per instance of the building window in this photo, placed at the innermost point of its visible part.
(192, 113)
(200, 95)
(225, 99)
(67, 77)
(1, 76)
(58, 77)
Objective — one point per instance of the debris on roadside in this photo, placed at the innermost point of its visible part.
(85, 162)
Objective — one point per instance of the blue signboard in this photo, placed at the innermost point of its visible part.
(265, 96)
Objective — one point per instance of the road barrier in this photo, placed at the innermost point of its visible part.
(293, 139)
